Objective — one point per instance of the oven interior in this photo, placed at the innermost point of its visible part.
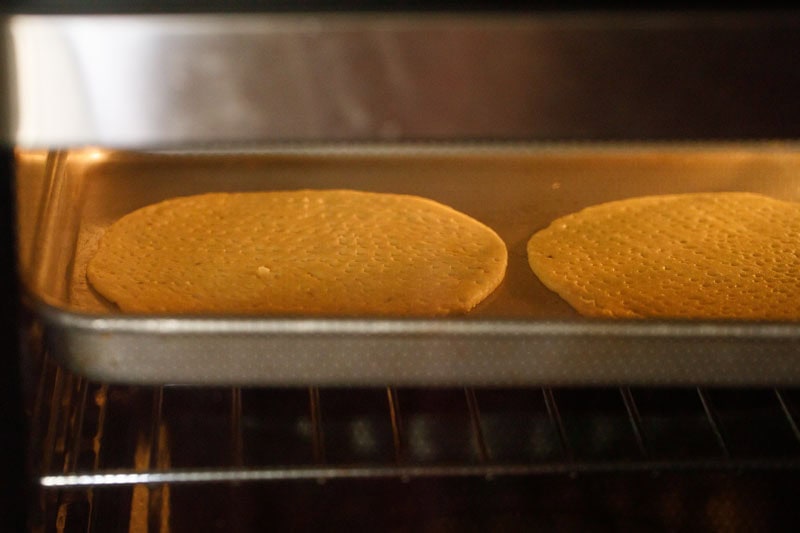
(675, 447)
(470, 450)
(179, 458)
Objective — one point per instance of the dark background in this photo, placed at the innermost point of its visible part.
(188, 6)
(12, 473)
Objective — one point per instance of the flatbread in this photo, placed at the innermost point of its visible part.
(706, 255)
(334, 252)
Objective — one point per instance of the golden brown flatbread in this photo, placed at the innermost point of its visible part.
(331, 252)
(707, 255)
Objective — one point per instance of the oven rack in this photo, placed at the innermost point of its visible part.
(92, 435)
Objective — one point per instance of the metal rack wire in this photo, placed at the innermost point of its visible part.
(408, 433)
(133, 451)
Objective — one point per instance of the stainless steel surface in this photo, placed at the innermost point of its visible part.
(155, 81)
(522, 334)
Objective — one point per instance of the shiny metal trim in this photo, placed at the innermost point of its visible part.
(405, 472)
(156, 81)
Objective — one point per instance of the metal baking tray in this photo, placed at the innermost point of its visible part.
(522, 334)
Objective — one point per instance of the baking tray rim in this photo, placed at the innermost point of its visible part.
(458, 352)
(448, 326)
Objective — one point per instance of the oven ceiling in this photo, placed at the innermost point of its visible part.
(140, 81)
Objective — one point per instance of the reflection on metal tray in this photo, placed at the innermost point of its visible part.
(522, 334)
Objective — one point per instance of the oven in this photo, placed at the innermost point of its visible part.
(518, 416)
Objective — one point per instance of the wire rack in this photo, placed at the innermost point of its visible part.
(91, 434)
(92, 437)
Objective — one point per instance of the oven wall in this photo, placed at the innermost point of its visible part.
(12, 441)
